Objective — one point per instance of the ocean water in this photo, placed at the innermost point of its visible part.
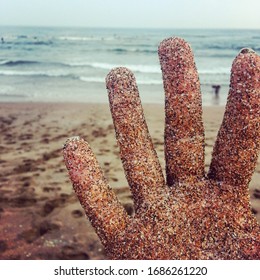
(70, 64)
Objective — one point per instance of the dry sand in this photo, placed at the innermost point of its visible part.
(40, 217)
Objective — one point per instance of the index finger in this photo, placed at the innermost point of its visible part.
(140, 161)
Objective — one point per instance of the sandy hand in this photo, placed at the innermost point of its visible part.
(191, 215)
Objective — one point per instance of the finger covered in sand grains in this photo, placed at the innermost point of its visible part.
(184, 132)
(101, 205)
(139, 158)
(237, 147)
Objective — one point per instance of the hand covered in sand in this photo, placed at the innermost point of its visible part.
(192, 215)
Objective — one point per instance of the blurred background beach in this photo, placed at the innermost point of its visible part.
(53, 87)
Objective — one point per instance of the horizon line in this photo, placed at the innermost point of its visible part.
(124, 27)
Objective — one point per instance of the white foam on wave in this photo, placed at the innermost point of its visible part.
(215, 71)
(88, 38)
(3, 62)
(92, 79)
(50, 73)
(74, 38)
(149, 82)
(142, 68)
(139, 80)
(153, 69)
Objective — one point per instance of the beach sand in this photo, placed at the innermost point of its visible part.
(40, 217)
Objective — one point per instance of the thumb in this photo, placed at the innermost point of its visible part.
(100, 203)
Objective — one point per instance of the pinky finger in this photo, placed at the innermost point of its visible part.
(238, 143)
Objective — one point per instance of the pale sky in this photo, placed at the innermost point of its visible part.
(132, 13)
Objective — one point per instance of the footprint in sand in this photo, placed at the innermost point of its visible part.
(53, 154)
(114, 179)
(28, 165)
(77, 213)
(48, 189)
(72, 253)
(37, 231)
(50, 205)
(25, 200)
(25, 136)
(256, 194)
(100, 132)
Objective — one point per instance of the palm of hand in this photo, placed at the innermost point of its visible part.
(192, 216)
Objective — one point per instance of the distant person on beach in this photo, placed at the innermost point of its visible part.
(216, 89)
(2, 40)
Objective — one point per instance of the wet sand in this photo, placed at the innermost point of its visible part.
(40, 217)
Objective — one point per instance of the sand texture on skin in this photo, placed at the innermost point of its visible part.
(40, 216)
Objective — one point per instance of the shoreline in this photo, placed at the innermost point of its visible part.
(97, 94)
